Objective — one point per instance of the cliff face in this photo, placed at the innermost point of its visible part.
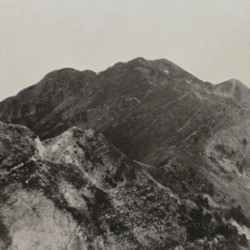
(186, 179)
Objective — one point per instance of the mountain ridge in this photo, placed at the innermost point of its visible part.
(138, 59)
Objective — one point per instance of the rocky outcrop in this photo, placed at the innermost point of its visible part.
(76, 191)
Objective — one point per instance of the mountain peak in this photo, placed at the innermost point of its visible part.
(234, 80)
(238, 83)
(235, 89)
(156, 72)
(233, 83)
(68, 74)
(139, 61)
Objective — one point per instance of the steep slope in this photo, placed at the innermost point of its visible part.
(77, 192)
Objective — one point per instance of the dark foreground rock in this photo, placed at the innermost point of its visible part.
(76, 191)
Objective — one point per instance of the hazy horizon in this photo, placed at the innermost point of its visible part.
(210, 39)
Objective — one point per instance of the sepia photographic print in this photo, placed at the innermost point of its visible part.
(124, 125)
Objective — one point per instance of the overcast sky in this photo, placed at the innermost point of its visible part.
(209, 38)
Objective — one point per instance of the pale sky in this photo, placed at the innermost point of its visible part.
(208, 38)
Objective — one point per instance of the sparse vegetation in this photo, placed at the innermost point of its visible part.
(244, 142)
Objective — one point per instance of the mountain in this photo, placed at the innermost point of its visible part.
(67, 97)
(191, 138)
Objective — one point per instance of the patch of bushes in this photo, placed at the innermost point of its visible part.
(237, 214)
(4, 235)
(244, 142)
